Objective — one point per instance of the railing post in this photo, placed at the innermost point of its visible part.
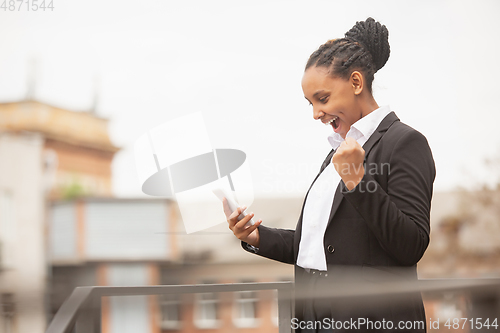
(89, 317)
(285, 310)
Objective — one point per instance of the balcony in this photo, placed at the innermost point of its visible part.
(81, 312)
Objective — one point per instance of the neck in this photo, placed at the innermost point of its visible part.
(368, 104)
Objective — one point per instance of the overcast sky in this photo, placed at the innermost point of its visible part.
(240, 63)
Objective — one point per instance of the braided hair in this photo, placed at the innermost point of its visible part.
(364, 48)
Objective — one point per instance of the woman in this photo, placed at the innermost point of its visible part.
(365, 218)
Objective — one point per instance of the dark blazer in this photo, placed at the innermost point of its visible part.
(382, 225)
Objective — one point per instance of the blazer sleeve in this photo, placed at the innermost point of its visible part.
(276, 244)
(399, 216)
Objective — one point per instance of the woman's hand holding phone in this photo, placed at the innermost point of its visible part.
(248, 234)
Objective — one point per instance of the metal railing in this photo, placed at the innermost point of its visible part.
(82, 310)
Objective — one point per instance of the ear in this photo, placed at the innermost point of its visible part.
(357, 81)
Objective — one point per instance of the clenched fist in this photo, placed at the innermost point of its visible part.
(348, 161)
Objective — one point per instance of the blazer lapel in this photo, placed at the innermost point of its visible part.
(374, 138)
(379, 132)
(325, 163)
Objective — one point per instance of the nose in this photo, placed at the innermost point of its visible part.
(317, 113)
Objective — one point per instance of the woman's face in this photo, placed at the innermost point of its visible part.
(333, 99)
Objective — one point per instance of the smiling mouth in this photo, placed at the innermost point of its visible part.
(333, 122)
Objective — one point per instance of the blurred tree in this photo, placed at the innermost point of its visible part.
(73, 190)
(472, 232)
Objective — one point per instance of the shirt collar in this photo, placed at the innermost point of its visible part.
(362, 129)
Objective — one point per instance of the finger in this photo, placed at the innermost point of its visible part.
(342, 147)
(233, 218)
(232, 222)
(251, 228)
(241, 223)
(237, 212)
(349, 141)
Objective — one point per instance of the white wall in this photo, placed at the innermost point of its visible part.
(22, 229)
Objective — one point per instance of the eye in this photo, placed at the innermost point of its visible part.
(323, 99)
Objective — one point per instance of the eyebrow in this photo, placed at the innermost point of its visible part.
(318, 92)
(315, 95)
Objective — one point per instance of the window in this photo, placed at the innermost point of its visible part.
(170, 306)
(245, 309)
(206, 310)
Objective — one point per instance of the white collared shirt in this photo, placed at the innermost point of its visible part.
(320, 198)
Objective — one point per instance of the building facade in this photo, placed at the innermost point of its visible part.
(46, 153)
(22, 246)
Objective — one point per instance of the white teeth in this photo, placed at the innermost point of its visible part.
(331, 120)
